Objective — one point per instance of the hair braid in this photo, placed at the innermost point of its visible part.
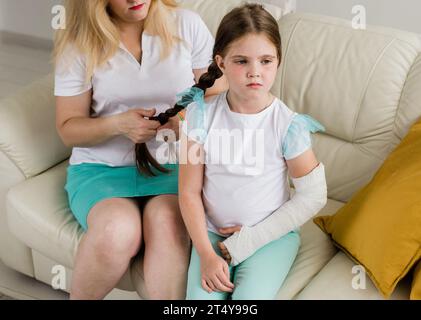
(144, 159)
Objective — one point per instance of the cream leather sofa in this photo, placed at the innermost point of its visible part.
(364, 86)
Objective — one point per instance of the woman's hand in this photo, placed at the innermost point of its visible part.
(134, 126)
(215, 274)
(224, 251)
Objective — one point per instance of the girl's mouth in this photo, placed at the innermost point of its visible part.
(254, 85)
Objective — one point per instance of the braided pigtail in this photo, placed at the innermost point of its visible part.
(144, 159)
(208, 79)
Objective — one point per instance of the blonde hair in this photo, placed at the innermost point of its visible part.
(90, 28)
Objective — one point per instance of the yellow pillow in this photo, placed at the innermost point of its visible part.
(416, 284)
(380, 227)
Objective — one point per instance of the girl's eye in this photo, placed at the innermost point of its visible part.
(266, 61)
(241, 62)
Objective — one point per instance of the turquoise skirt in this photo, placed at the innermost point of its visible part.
(89, 183)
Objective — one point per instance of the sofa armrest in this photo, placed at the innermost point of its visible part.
(28, 135)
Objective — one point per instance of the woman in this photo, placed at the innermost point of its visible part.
(119, 62)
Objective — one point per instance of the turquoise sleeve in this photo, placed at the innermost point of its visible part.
(194, 123)
(298, 137)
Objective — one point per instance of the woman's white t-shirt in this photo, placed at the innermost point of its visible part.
(123, 83)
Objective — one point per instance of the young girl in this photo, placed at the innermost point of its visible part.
(233, 182)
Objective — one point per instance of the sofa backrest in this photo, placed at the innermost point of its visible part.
(28, 134)
(364, 86)
(212, 11)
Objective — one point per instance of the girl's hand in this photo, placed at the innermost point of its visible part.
(174, 124)
(224, 251)
(215, 274)
(134, 126)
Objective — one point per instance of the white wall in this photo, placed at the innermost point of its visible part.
(33, 17)
(1, 17)
(29, 17)
(400, 14)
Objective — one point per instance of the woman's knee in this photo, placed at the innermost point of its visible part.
(115, 228)
(163, 221)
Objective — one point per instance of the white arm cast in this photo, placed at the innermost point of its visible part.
(309, 198)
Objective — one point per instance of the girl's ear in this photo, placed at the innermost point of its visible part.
(220, 63)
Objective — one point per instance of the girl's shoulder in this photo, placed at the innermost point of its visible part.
(215, 99)
(299, 120)
(209, 105)
(200, 110)
(298, 135)
(282, 106)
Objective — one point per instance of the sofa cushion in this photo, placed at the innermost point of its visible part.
(315, 252)
(39, 216)
(342, 279)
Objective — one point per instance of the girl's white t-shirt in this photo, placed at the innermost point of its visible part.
(245, 176)
(123, 83)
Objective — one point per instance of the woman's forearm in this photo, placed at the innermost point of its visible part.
(87, 132)
(193, 214)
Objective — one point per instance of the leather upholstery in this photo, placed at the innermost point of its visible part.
(363, 86)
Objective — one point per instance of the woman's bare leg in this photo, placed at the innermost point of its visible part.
(104, 253)
(167, 248)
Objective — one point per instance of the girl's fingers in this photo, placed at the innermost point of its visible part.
(226, 272)
(222, 283)
(206, 287)
(224, 278)
(211, 285)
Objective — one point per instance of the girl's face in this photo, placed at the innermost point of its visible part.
(250, 66)
(129, 10)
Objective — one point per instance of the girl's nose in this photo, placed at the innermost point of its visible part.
(253, 72)
(253, 75)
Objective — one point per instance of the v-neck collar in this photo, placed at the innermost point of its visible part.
(138, 63)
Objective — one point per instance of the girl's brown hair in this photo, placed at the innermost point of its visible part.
(241, 21)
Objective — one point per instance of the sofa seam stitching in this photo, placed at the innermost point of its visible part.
(370, 77)
(402, 92)
(286, 55)
(14, 162)
(371, 31)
